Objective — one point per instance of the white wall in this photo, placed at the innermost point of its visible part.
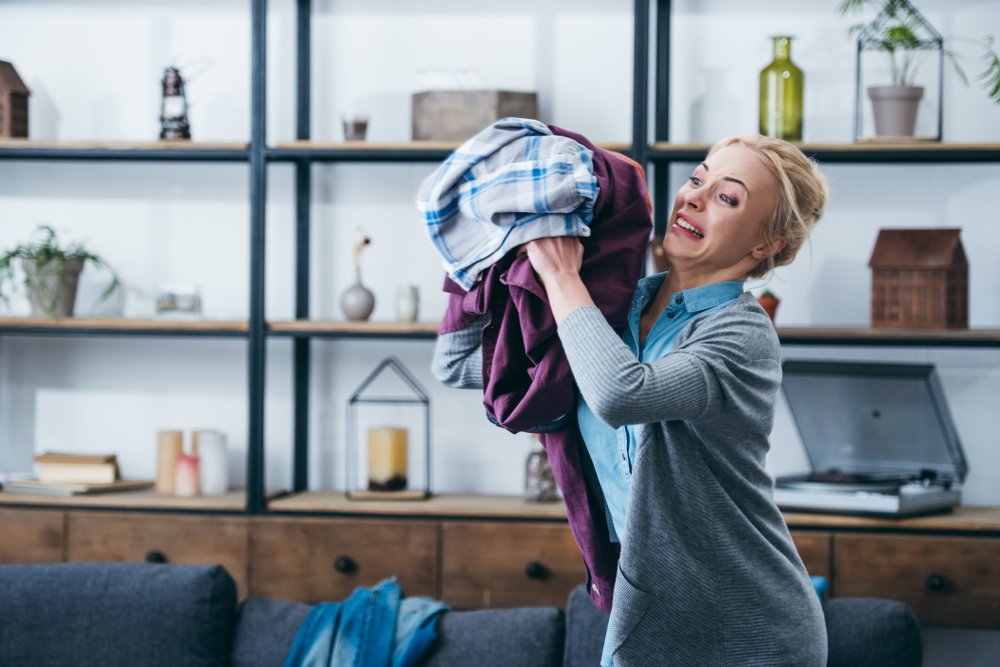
(170, 223)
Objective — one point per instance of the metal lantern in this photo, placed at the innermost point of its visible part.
(174, 107)
(897, 51)
(388, 440)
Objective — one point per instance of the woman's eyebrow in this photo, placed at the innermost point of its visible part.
(730, 178)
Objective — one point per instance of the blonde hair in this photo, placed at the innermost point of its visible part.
(802, 196)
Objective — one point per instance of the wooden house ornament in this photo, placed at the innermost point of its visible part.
(920, 279)
(13, 103)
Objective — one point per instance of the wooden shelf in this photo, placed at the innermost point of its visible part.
(123, 150)
(344, 329)
(234, 501)
(119, 326)
(367, 151)
(889, 337)
(971, 519)
(442, 506)
(872, 152)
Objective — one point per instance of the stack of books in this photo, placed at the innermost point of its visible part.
(74, 474)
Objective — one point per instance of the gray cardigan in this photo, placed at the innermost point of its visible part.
(708, 573)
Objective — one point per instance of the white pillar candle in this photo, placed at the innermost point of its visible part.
(387, 461)
(214, 466)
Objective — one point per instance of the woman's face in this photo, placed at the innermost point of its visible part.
(715, 226)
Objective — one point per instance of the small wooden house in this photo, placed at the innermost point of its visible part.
(13, 103)
(920, 279)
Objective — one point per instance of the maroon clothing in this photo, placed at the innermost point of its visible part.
(526, 377)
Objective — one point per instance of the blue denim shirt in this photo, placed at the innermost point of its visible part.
(613, 450)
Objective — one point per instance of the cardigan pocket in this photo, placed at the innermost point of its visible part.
(629, 607)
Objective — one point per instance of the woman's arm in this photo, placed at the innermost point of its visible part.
(730, 362)
(458, 357)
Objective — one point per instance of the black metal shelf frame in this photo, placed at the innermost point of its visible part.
(651, 37)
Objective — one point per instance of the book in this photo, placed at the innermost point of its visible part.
(35, 486)
(55, 467)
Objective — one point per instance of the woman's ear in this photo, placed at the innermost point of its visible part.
(764, 250)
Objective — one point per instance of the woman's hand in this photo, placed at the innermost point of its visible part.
(557, 260)
(555, 256)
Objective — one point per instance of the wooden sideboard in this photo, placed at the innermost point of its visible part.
(481, 551)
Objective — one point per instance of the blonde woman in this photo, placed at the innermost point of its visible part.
(676, 412)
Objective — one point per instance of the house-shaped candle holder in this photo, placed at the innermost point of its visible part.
(387, 452)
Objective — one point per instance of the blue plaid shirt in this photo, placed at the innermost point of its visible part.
(512, 183)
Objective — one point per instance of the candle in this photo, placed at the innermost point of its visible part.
(169, 446)
(214, 467)
(186, 476)
(387, 459)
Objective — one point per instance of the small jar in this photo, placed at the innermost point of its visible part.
(539, 483)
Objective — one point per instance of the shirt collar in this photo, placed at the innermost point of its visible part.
(693, 300)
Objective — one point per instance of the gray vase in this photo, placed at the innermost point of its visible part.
(895, 109)
(52, 294)
(357, 301)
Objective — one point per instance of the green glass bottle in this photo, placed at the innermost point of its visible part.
(781, 85)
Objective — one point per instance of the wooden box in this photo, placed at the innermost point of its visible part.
(13, 103)
(920, 279)
(456, 115)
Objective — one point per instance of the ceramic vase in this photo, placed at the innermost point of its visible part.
(357, 301)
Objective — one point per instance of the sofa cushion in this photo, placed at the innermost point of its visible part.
(265, 630)
(111, 614)
(527, 637)
(868, 631)
(586, 626)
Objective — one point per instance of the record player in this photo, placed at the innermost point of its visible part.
(879, 437)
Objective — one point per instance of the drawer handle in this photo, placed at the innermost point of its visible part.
(156, 556)
(936, 582)
(344, 564)
(535, 570)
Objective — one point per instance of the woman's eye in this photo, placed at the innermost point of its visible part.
(694, 180)
(729, 200)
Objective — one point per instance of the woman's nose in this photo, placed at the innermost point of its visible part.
(693, 199)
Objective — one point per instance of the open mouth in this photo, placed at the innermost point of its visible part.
(688, 227)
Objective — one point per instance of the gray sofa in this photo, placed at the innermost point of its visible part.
(139, 614)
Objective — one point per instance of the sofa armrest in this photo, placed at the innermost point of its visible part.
(869, 631)
(112, 614)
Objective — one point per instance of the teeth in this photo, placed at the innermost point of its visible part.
(683, 225)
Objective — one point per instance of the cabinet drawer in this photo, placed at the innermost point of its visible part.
(509, 564)
(314, 560)
(31, 536)
(815, 550)
(96, 536)
(952, 581)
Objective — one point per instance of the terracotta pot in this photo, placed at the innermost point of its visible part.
(770, 305)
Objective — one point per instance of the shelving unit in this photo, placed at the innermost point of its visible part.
(649, 144)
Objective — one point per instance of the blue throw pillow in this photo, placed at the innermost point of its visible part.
(820, 585)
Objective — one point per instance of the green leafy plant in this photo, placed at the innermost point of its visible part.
(894, 30)
(50, 258)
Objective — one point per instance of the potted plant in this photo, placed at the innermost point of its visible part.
(769, 302)
(51, 272)
(896, 31)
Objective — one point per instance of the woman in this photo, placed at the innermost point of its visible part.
(676, 413)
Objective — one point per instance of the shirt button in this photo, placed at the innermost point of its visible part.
(670, 313)
(679, 299)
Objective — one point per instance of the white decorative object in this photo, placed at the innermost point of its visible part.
(214, 462)
(407, 303)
